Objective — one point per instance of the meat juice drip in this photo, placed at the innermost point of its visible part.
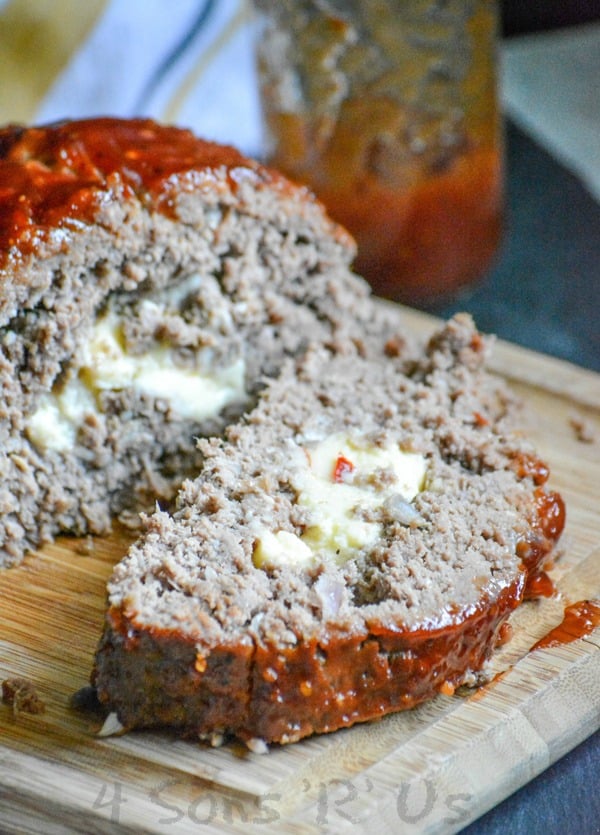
(580, 619)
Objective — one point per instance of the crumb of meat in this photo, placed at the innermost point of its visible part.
(394, 346)
(22, 695)
(130, 519)
(474, 679)
(584, 429)
(85, 547)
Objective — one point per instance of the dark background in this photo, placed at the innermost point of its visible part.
(545, 292)
(519, 16)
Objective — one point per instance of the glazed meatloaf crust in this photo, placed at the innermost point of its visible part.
(350, 548)
(149, 281)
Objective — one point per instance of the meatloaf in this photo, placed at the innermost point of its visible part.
(149, 282)
(351, 547)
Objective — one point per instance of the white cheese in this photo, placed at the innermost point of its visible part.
(345, 480)
(54, 424)
(107, 366)
(281, 548)
(190, 394)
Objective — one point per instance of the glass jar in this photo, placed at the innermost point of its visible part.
(388, 111)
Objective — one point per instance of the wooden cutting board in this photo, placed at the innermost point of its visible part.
(432, 769)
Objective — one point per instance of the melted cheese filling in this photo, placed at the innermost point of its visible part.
(107, 366)
(344, 486)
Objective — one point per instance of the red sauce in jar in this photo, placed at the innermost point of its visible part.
(423, 243)
(389, 112)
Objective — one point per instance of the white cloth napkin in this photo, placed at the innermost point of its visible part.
(189, 62)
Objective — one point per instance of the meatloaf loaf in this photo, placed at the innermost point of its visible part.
(352, 547)
(148, 282)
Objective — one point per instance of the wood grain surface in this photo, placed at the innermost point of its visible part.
(428, 770)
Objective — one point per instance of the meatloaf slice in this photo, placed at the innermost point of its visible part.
(351, 548)
(149, 281)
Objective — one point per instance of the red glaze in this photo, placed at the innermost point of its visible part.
(551, 513)
(580, 619)
(282, 693)
(59, 175)
(530, 465)
(534, 550)
(505, 634)
(540, 585)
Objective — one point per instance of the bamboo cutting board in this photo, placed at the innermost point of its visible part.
(432, 769)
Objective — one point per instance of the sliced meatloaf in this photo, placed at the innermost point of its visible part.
(149, 282)
(352, 547)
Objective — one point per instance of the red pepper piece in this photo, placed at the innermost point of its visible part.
(342, 467)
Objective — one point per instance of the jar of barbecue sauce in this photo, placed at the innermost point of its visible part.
(388, 111)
